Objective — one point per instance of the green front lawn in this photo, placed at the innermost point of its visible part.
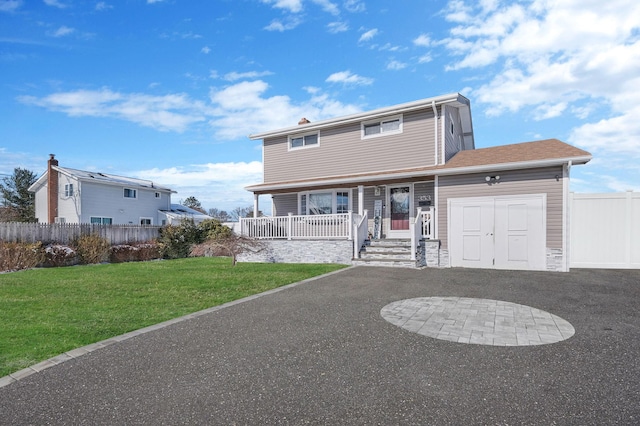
(46, 312)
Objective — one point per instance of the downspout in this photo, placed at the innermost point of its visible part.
(435, 131)
(566, 211)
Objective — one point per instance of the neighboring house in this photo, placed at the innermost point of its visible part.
(64, 195)
(177, 213)
(411, 172)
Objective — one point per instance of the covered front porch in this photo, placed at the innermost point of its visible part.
(353, 229)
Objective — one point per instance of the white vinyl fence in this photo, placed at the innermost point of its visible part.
(605, 230)
(64, 233)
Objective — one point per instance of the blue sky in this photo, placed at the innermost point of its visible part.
(169, 90)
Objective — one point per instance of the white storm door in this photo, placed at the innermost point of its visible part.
(520, 232)
(399, 211)
(471, 233)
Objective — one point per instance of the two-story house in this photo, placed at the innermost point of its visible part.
(411, 173)
(65, 195)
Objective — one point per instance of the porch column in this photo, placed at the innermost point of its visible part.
(255, 204)
(360, 200)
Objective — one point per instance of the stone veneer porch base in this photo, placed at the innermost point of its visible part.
(430, 253)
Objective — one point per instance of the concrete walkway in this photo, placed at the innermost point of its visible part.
(322, 352)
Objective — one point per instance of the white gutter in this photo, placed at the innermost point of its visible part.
(412, 174)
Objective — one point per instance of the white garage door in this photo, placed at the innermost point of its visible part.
(498, 232)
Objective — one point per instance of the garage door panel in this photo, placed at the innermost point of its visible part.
(498, 232)
(471, 248)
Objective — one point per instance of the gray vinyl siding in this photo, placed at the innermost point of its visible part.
(423, 189)
(109, 201)
(452, 142)
(517, 182)
(341, 151)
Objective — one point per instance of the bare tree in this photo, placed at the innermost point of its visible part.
(221, 215)
(232, 245)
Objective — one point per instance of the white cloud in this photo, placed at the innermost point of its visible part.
(154, 1)
(555, 58)
(219, 185)
(55, 3)
(101, 6)
(354, 6)
(232, 112)
(424, 59)
(233, 76)
(347, 77)
(10, 5)
(63, 31)
(422, 40)
(368, 35)
(293, 6)
(164, 113)
(328, 6)
(396, 65)
(206, 50)
(337, 27)
(289, 23)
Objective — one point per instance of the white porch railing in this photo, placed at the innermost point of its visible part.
(361, 231)
(325, 226)
(421, 228)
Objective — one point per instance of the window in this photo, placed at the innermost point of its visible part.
(145, 221)
(68, 190)
(303, 141)
(327, 202)
(342, 202)
(391, 125)
(451, 126)
(157, 195)
(95, 220)
(130, 193)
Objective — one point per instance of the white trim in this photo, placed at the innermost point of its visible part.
(387, 211)
(566, 217)
(433, 172)
(443, 122)
(436, 206)
(303, 136)
(399, 130)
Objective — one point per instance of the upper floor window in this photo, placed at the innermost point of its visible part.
(303, 141)
(68, 190)
(372, 129)
(130, 193)
(157, 195)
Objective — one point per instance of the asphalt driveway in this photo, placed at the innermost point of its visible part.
(320, 353)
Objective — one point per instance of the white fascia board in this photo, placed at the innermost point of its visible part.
(413, 174)
(514, 166)
(396, 109)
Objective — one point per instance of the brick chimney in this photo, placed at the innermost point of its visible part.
(52, 189)
(303, 121)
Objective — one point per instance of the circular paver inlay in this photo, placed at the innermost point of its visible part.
(478, 321)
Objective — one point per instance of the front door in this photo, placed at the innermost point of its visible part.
(399, 209)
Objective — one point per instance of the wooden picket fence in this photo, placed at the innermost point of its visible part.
(65, 233)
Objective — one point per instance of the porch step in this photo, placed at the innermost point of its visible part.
(388, 252)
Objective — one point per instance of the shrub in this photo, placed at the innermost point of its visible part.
(92, 249)
(177, 240)
(135, 252)
(58, 255)
(17, 256)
